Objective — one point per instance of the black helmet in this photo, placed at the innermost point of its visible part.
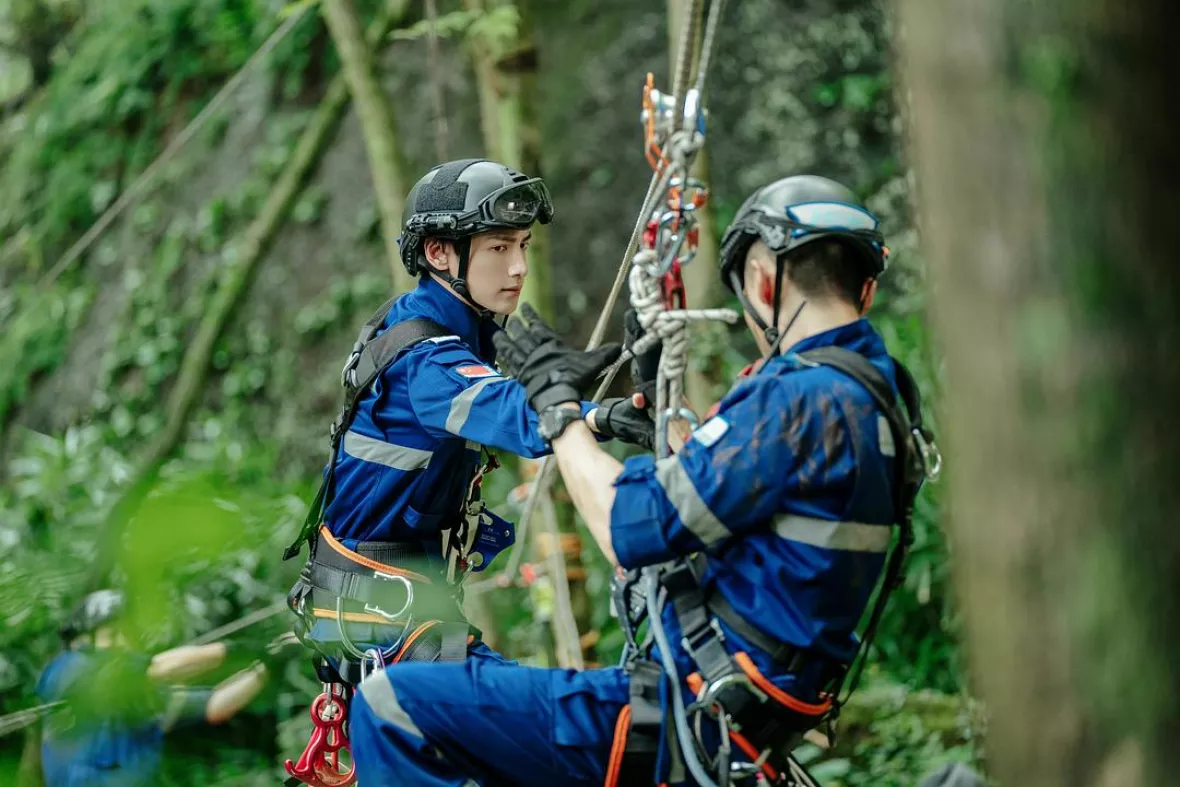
(462, 198)
(795, 211)
(94, 611)
(790, 213)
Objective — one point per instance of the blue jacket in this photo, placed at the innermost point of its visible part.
(83, 750)
(405, 466)
(787, 490)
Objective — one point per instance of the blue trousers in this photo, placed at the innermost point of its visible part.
(486, 722)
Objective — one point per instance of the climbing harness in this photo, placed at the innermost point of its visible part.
(349, 597)
(751, 713)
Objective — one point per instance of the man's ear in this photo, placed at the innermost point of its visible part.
(867, 293)
(438, 253)
(765, 288)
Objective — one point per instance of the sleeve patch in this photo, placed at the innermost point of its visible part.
(712, 431)
(475, 372)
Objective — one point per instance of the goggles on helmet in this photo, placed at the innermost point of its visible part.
(515, 205)
(810, 218)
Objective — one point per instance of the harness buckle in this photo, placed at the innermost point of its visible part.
(393, 617)
(695, 641)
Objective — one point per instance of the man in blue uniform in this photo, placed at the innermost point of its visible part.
(766, 533)
(115, 736)
(399, 517)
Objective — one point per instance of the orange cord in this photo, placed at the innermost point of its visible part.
(615, 763)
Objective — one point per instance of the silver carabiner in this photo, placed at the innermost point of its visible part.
(681, 413)
(393, 617)
(708, 695)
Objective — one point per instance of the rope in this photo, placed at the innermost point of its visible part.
(437, 99)
(181, 139)
(707, 45)
(688, 34)
(657, 186)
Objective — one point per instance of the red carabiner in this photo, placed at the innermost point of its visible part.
(673, 287)
(319, 765)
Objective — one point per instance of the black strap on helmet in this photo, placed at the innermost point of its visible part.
(442, 193)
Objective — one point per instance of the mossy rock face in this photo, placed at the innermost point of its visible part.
(809, 95)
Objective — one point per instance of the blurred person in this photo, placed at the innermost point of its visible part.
(119, 704)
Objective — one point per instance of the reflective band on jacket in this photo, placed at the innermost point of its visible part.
(382, 700)
(399, 457)
(693, 510)
(829, 534)
(461, 404)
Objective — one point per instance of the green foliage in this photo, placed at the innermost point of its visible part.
(201, 552)
(497, 28)
(139, 71)
(35, 327)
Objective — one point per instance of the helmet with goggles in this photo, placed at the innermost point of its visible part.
(459, 199)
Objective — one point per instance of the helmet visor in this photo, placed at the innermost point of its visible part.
(519, 205)
(809, 217)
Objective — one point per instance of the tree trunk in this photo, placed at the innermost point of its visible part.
(194, 368)
(1048, 170)
(506, 82)
(377, 121)
(700, 276)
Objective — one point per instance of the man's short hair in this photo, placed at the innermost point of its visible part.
(826, 268)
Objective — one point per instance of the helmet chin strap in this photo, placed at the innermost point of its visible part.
(771, 332)
(459, 283)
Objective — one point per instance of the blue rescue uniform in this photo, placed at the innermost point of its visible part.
(786, 491)
(82, 751)
(409, 462)
(404, 467)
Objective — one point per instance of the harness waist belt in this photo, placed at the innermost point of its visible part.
(368, 575)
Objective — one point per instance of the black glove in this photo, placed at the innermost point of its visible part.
(620, 419)
(551, 372)
(644, 368)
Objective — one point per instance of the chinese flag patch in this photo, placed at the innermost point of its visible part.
(477, 371)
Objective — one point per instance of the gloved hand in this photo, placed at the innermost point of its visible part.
(621, 419)
(645, 367)
(551, 372)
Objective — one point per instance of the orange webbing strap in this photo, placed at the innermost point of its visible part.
(748, 749)
(615, 763)
(777, 694)
(359, 559)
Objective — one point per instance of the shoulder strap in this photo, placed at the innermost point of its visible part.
(905, 427)
(369, 358)
(859, 368)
